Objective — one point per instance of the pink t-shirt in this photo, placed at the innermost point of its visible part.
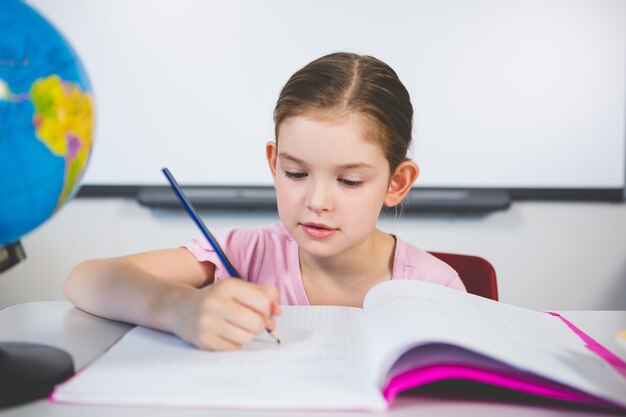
(269, 255)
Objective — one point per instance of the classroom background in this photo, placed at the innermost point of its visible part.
(523, 97)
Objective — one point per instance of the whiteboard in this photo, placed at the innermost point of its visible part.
(507, 93)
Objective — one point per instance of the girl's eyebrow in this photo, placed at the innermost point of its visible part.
(285, 155)
(352, 165)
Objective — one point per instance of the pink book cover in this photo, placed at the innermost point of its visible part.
(511, 380)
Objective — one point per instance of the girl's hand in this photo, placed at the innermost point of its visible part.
(225, 315)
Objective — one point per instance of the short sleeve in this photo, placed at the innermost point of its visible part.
(411, 262)
(202, 250)
(456, 282)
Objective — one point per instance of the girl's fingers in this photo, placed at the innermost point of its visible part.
(255, 297)
(235, 312)
(243, 317)
(276, 309)
(219, 343)
(231, 334)
(271, 324)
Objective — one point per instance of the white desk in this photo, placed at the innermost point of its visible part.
(84, 336)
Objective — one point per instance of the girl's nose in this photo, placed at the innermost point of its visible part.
(319, 197)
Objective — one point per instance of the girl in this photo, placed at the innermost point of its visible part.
(343, 128)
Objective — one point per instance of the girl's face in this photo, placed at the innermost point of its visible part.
(331, 182)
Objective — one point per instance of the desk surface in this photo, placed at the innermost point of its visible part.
(84, 336)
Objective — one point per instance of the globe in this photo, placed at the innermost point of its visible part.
(46, 120)
(46, 137)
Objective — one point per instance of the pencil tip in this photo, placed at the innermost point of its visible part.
(272, 333)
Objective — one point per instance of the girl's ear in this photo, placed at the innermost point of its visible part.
(401, 181)
(271, 150)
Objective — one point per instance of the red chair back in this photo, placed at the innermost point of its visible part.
(477, 274)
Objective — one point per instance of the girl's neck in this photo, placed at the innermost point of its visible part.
(344, 279)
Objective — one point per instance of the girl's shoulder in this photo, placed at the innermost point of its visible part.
(411, 262)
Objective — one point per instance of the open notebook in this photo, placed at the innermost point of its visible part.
(409, 333)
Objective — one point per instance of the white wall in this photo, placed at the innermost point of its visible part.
(497, 86)
(547, 255)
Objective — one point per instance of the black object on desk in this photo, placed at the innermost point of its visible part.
(30, 371)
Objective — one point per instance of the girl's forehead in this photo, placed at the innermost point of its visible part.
(340, 129)
(341, 141)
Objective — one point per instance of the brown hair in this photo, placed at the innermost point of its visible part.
(345, 82)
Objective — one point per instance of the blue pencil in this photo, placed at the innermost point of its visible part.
(207, 234)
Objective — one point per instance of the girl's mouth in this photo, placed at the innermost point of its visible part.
(318, 230)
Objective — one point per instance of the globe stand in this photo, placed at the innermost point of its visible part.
(30, 371)
(10, 255)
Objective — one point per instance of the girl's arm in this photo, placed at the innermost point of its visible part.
(170, 290)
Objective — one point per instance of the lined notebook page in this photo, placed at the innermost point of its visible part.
(401, 313)
(318, 365)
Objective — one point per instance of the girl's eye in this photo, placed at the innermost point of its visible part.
(295, 175)
(349, 183)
